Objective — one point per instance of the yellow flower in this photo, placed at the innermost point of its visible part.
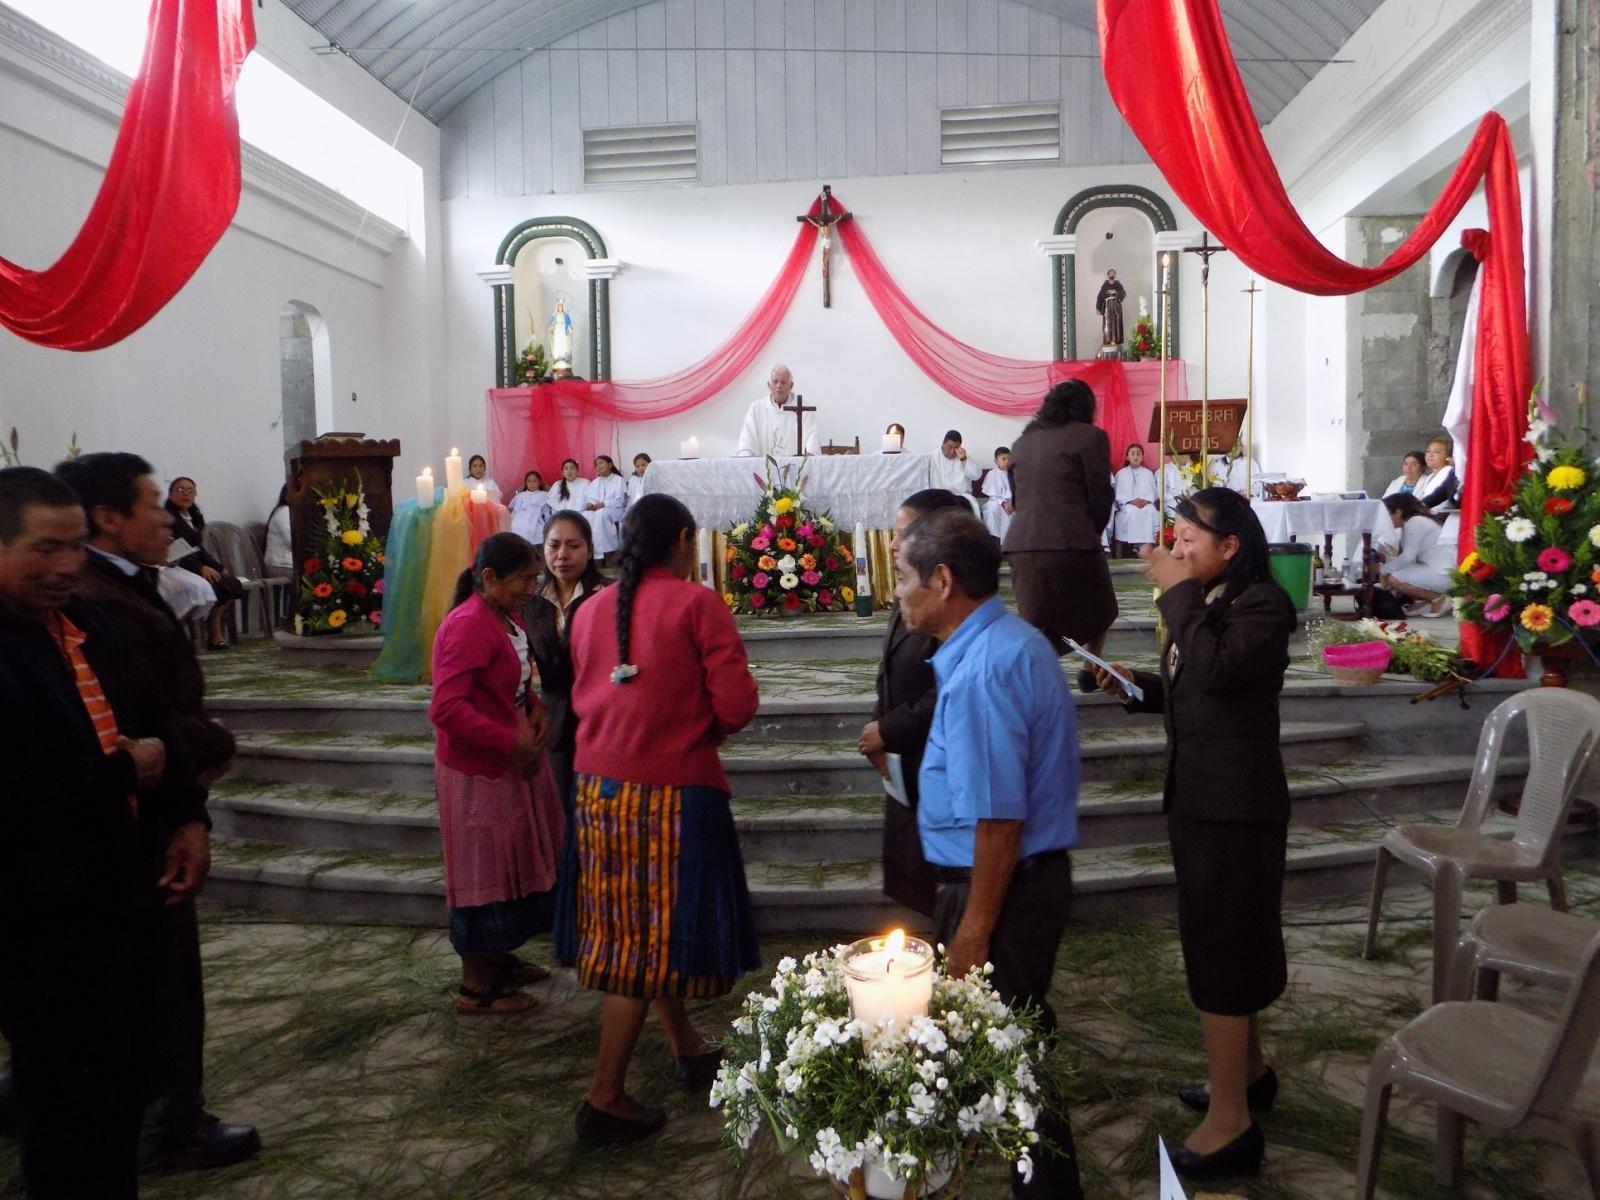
(337, 618)
(1565, 479)
(782, 505)
(1468, 563)
(1537, 618)
(329, 501)
(767, 563)
(351, 499)
(352, 537)
(727, 598)
(848, 595)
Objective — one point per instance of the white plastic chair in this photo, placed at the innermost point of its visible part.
(1522, 940)
(1563, 726)
(1496, 1065)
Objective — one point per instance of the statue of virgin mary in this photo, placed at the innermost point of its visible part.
(561, 340)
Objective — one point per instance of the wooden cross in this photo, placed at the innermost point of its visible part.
(1205, 250)
(825, 221)
(799, 408)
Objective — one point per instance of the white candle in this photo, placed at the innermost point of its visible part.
(425, 488)
(863, 575)
(889, 979)
(891, 443)
(452, 470)
(707, 575)
(479, 496)
(689, 448)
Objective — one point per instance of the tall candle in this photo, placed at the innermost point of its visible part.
(479, 496)
(889, 980)
(452, 470)
(689, 448)
(425, 488)
(891, 443)
(707, 576)
(864, 602)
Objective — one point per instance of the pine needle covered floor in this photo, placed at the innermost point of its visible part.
(340, 1042)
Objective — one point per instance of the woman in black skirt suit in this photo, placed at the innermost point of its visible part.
(1227, 803)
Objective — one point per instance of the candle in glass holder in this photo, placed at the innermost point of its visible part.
(452, 470)
(892, 443)
(707, 576)
(425, 488)
(479, 496)
(689, 448)
(889, 977)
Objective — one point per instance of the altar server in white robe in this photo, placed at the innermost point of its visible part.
(1229, 471)
(768, 430)
(530, 508)
(954, 471)
(571, 491)
(996, 487)
(478, 477)
(1176, 485)
(606, 502)
(641, 464)
(1138, 504)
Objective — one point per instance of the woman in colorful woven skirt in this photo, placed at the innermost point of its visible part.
(499, 816)
(662, 913)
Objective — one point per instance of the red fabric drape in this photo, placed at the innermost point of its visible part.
(1171, 73)
(169, 192)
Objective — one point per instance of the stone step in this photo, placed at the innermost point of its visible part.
(403, 762)
(772, 830)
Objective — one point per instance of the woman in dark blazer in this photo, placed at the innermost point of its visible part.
(901, 718)
(1062, 494)
(188, 525)
(1227, 803)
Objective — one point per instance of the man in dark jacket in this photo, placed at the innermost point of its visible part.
(104, 820)
(129, 532)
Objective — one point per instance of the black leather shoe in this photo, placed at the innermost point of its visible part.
(1242, 1156)
(696, 1072)
(1259, 1096)
(597, 1128)
(211, 1145)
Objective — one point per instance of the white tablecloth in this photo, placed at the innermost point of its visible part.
(1309, 520)
(865, 488)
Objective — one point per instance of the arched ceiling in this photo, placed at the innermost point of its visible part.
(1281, 44)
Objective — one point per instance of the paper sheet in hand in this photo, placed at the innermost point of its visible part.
(895, 784)
(1128, 685)
(1171, 1189)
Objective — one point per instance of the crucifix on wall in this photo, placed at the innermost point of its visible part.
(825, 219)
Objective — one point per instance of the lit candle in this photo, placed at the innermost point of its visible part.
(889, 979)
(452, 470)
(425, 488)
(689, 448)
(479, 496)
(891, 443)
(707, 576)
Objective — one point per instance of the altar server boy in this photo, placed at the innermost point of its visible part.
(996, 487)
(1137, 521)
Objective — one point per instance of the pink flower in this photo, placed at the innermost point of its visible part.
(759, 581)
(760, 543)
(767, 531)
(377, 588)
(1585, 613)
(805, 530)
(810, 579)
(1495, 608)
(375, 616)
(1554, 559)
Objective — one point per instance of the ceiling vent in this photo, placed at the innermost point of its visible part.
(1000, 133)
(640, 154)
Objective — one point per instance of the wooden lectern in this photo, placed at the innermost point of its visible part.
(330, 461)
(1221, 420)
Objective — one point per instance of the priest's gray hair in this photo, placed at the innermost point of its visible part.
(776, 367)
(958, 540)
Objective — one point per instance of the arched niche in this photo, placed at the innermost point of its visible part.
(1140, 201)
(305, 374)
(508, 314)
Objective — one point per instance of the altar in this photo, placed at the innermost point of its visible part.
(853, 489)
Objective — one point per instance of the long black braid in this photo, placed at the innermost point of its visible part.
(651, 534)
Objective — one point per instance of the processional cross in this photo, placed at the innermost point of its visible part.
(825, 220)
(799, 408)
(1205, 250)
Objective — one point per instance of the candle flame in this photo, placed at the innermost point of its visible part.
(454, 452)
(895, 942)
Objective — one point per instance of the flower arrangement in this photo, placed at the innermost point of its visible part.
(1535, 574)
(341, 584)
(786, 558)
(1144, 341)
(1411, 651)
(914, 1104)
(532, 365)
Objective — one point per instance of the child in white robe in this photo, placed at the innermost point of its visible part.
(605, 503)
(478, 476)
(641, 464)
(571, 494)
(530, 508)
(996, 487)
(1137, 521)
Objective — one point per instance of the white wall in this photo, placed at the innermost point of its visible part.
(961, 245)
(197, 389)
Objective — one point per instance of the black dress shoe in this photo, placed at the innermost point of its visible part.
(1242, 1156)
(1259, 1096)
(696, 1072)
(211, 1145)
(598, 1128)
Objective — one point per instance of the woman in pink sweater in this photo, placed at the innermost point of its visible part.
(662, 913)
(499, 816)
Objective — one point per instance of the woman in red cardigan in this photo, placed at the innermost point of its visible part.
(663, 913)
(499, 816)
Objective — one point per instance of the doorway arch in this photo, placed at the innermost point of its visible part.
(305, 374)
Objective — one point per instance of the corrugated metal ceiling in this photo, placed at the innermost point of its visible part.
(441, 51)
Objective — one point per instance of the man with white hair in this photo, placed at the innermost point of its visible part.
(768, 430)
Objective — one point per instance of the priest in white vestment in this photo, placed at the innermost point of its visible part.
(768, 431)
(1229, 471)
(996, 488)
(605, 502)
(1137, 522)
(955, 472)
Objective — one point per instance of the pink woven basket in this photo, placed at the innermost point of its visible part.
(1361, 662)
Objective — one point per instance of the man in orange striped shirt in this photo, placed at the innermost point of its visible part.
(96, 797)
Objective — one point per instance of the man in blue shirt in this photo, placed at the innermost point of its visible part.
(999, 784)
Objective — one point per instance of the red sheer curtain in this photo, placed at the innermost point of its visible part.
(169, 192)
(1171, 73)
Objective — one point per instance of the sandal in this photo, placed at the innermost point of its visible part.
(514, 971)
(496, 1002)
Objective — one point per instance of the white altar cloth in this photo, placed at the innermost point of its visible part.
(864, 488)
(1310, 519)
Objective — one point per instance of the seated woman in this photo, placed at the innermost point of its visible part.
(1412, 467)
(605, 503)
(1439, 486)
(188, 525)
(1418, 570)
(278, 554)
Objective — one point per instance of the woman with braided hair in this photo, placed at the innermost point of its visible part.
(662, 913)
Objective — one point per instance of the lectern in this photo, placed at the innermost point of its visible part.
(330, 461)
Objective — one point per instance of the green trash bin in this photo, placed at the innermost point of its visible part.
(1291, 567)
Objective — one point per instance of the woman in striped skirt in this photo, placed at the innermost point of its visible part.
(663, 913)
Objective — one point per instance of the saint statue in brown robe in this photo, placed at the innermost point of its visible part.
(1109, 305)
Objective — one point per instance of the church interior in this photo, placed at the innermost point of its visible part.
(540, 228)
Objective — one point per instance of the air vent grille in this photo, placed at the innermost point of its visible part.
(640, 154)
(1000, 133)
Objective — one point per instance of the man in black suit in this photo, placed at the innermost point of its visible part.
(97, 792)
(129, 532)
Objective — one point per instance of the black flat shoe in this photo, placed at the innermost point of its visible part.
(696, 1072)
(597, 1128)
(1242, 1156)
(1259, 1096)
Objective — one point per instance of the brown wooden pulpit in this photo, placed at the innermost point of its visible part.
(1189, 430)
(329, 462)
